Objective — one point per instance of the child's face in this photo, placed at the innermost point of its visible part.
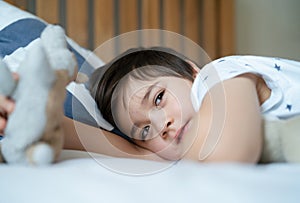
(156, 113)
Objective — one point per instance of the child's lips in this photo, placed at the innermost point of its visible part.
(181, 132)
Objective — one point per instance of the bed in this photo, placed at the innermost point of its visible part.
(88, 177)
(79, 177)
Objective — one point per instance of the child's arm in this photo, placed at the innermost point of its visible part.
(91, 139)
(230, 116)
(80, 136)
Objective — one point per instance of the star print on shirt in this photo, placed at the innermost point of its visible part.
(277, 67)
(289, 107)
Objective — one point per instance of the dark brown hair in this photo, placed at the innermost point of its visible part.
(105, 79)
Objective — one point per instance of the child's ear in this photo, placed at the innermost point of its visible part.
(196, 69)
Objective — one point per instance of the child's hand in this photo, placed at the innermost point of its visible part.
(6, 107)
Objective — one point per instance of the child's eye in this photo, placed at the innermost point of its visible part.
(145, 132)
(159, 98)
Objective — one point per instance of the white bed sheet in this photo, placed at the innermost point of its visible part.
(78, 177)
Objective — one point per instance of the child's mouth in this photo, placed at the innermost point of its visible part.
(181, 132)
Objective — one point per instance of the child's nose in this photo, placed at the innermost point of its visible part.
(157, 118)
(160, 122)
(164, 133)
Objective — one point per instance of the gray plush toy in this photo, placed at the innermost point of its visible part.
(281, 140)
(34, 133)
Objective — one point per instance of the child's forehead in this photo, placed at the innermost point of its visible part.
(136, 89)
(128, 95)
(132, 87)
(132, 91)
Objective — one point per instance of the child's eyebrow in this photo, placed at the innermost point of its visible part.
(148, 92)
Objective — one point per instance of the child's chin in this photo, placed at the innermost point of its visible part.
(171, 155)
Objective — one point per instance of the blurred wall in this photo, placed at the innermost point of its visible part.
(268, 27)
(208, 23)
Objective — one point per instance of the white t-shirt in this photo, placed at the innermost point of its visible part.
(282, 76)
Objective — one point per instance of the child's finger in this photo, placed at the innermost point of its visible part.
(2, 125)
(3, 114)
(2, 101)
(6, 104)
(15, 76)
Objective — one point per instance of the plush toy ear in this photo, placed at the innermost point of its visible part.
(55, 45)
(7, 81)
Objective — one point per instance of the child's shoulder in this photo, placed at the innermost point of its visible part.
(238, 58)
(251, 58)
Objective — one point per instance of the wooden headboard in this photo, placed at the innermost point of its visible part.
(209, 23)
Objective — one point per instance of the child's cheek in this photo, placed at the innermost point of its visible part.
(174, 105)
(164, 149)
